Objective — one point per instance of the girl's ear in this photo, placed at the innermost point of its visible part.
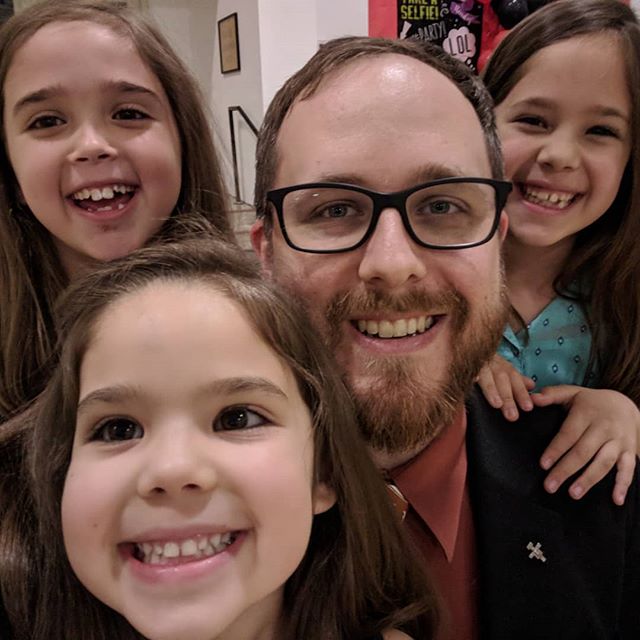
(324, 497)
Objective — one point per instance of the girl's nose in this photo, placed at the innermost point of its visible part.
(560, 153)
(91, 145)
(176, 465)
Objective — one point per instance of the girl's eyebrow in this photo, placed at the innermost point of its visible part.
(108, 395)
(226, 386)
(598, 110)
(55, 91)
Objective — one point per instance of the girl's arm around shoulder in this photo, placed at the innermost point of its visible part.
(601, 430)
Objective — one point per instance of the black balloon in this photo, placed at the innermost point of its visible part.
(510, 12)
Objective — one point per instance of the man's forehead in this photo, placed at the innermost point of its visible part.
(388, 110)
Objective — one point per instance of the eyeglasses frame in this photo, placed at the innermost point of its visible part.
(396, 200)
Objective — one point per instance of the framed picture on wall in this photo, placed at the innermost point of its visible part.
(229, 46)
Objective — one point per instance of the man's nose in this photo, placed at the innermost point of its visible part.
(391, 258)
(91, 144)
(177, 463)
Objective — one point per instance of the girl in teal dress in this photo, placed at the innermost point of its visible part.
(565, 84)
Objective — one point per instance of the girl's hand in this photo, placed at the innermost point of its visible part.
(601, 430)
(505, 387)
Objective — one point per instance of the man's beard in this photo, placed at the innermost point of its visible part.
(399, 410)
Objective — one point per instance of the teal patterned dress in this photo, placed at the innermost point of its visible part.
(554, 348)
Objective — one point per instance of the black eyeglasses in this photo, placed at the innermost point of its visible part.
(452, 213)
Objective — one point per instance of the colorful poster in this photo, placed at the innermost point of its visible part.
(455, 25)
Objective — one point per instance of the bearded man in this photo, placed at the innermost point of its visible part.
(379, 195)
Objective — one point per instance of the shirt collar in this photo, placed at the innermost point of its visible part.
(434, 482)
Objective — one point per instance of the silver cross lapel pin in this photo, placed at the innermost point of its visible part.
(536, 551)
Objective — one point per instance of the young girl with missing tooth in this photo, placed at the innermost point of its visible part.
(102, 151)
(566, 83)
(199, 474)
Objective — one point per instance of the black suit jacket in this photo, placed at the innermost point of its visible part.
(589, 586)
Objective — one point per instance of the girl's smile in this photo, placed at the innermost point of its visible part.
(547, 197)
(181, 560)
(565, 131)
(92, 141)
(110, 198)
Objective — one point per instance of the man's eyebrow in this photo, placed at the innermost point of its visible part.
(55, 91)
(433, 171)
(118, 394)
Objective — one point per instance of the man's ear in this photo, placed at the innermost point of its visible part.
(324, 497)
(261, 245)
(503, 225)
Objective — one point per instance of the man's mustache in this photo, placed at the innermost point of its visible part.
(362, 303)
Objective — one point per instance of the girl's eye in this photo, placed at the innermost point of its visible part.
(117, 430)
(129, 113)
(45, 122)
(532, 121)
(602, 130)
(237, 418)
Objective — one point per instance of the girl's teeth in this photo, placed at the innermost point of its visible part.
(157, 553)
(559, 200)
(189, 548)
(105, 193)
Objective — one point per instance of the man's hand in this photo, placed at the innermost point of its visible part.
(505, 387)
(601, 430)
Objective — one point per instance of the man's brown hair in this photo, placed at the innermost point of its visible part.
(335, 55)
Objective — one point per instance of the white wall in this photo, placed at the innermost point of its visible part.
(342, 18)
(239, 88)
(288, 38)
(191, 26)
(276, 38)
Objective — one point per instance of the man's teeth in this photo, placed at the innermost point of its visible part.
(106, 193)
(200, 547)
(557, 199)
(397, 328)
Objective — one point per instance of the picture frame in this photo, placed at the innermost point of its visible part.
(229, 45)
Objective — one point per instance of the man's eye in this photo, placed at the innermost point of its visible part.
(117, 430)
(130, 114)
(237, 418)
(440, 207)
(336, 211)
(45, 122)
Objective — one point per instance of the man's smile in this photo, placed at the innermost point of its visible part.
(395, 328)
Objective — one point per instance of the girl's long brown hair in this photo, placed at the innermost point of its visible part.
(357, 577)
(606, 255)
(31, 276)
